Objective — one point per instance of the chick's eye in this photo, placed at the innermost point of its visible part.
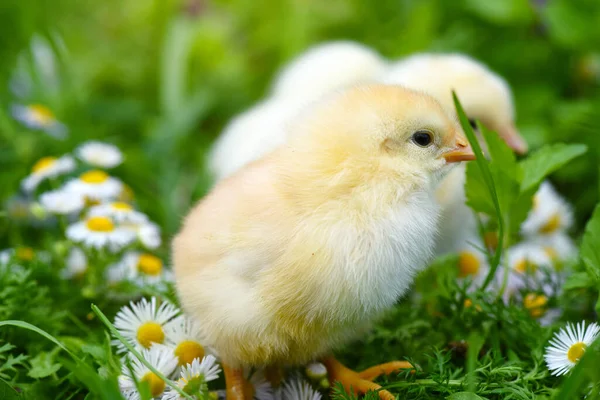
(422, 138)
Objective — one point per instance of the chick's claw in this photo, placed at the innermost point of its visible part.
(361, 382)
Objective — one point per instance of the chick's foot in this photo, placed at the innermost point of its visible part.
(237, 387)
(361, 382)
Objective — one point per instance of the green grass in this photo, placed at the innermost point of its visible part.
(161, 78)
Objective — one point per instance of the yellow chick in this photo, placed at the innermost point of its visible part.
(485, 97)
(298, 253)
(316, 72)
(327, 67)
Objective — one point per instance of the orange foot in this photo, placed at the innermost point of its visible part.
(362, 382)
(237, 386)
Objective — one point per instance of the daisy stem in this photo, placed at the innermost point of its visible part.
(133, 351)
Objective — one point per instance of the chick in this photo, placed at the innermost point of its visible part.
(314, 73)
(485, 97)
(298, 253)
(327, 67)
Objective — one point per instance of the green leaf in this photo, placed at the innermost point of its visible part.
(7, 392)
(578, 280)
(26, 325)
(590, 251)
(478, 195)
(464, 396)
(547, 160)
(43, 365)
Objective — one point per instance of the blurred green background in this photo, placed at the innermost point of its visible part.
(161, 78)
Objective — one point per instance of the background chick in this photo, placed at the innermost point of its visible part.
(314, 73)
(485, 97)
(327, 67)
(299, 252)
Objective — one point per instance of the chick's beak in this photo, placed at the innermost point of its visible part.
(513, 139)
(462, 151)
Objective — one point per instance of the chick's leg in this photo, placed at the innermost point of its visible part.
(236, 385)
(361, 382)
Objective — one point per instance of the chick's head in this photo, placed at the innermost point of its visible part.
(484, 95)
(378, 133)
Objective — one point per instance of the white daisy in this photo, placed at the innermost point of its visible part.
(76, 264)
(558, 246)
(193, 377)
(19, 254)
(160, 358)
(528, 265)
(550, 213)
(47, 167)
(95, 185)
(298, 389)
(39, 117)
(116, 273)
(143, 267)
(99, 154)
(149, 235)
(472, 264)
(62, 202)
(261, 388)
(100, 232)
(119, 211)
(144, 323)
(184, 338)
(568, 345)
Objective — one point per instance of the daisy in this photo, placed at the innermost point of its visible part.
(157, 356)
(99, 154)
(472, 264)
(194, 376)
(261, 388)
(100, 232)
(39, 117)
(149, 235)
(119, 211)
(143, 267)
(18, 254)
(116, 273)
(76, 264)
(568, 345)
(528, 265)
(184, 338)
(550, 213)
(47, 167)
(95, 185)
(536, 304)
(558, 246)
(298, 389)
(144, 323)
(61, 202)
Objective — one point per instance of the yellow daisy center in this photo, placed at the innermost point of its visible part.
(149, 264)
(469, 303)
(157, 385)
(468, 264)
(523, 265)
(95, 176)
(43, 164)
(121, 206)
(24, 253)
(535, 304)
(552, 225)
(150, 332)
(41, 114)
(576, 351)
(188, 350)
(100, 224)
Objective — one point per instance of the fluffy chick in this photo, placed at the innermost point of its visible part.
(316, 72)
(327, 67)
(485, 97)
(299, 252)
